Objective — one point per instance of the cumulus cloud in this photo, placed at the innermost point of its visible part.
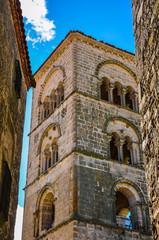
(35, 12)
(18, 223)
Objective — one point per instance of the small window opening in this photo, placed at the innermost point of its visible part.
(17, 78)
(104, 91)
(129, 103)
(127, 153)
(113, 149)
(5, 192)
(116, 96)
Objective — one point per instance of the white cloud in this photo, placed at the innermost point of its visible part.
(35, 12)
(18, 223)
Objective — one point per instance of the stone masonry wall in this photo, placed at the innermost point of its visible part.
(12, 112)
(90, 231)
(83, 179)
(146, 31)
(60, 176)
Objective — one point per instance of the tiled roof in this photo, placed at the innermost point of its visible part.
(21, 41)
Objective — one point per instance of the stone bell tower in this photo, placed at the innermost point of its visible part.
(86, 177)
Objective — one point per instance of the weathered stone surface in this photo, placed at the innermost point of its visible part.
(12, 111)
(146, 31)
(84, 181)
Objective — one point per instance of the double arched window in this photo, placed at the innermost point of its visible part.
(51, 102)
(49, 156)
(48, 147)
(124, 143)
(118, 94)
(121, 149)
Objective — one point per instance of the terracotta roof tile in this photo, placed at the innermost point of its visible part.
(22, 44)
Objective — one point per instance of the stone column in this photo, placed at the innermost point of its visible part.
(135, 150)
(123, 99)
(111, 87)
(120, 147)
(109, 137)
(135, 102)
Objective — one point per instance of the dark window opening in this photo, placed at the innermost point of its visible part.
(113, 150)
(5, 193)
(128, 100)
(126, 154)
(116, 97)
(17, 78)
(104, 92)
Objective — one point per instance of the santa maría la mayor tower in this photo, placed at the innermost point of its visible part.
(85, 176)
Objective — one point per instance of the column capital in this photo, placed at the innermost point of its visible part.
(111, 85)
(124, 90)
(109, 136)
(121, 141)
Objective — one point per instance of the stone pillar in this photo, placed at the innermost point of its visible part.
(111, 87)
(121, 142)
(123, 99)
(109, 137)
(135, 151)
(135, 102)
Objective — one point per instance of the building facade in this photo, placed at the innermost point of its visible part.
(15, 79)
(146, 31)
(85, 177)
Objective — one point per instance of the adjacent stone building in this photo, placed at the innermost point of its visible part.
(15, 79)
(85, 177)
(146, 31)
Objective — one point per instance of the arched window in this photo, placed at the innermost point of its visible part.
(104, 89)
(51, 102)
(117, 94)
(114, 148)
(128, 207)
(123, 139)
(44, 215)
(49, 156)
(48, 212)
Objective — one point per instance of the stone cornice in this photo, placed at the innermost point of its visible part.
(75, 36)
(88, 96)
(84, 153)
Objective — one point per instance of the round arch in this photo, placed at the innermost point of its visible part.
(54, 68)
(118, 63)
(47, 188)
(52, 125)
(119, 183)
(119, 118)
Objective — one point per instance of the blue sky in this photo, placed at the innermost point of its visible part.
(47, 22)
